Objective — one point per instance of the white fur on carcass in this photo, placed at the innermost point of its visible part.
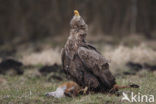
(58, 93)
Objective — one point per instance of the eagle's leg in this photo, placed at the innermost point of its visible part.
(90, 81)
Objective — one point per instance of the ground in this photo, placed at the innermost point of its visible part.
(28, 89)
(31, 87)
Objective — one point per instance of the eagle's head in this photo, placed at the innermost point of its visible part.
(76, 13)
(77, 21)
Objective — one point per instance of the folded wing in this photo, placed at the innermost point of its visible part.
(97, 65)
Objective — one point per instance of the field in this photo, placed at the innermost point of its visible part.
(31, 87)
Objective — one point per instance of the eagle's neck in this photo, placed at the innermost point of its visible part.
(75, 40)
(77, 36)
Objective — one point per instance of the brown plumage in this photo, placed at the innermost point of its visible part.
(82, 62)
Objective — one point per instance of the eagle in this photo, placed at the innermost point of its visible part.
(82, 62)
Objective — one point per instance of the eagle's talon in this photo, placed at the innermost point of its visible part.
(85, 90)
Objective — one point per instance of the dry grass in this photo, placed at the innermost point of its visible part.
(45, 57)
(120, 55)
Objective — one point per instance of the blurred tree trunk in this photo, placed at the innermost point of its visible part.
(30, 19)
(134, 16)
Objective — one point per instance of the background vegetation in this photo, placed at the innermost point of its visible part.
(31, 20)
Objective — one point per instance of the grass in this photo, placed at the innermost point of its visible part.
(30, 89)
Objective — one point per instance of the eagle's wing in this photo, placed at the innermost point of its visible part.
(96, 64)
(62, 57)
(64, 60)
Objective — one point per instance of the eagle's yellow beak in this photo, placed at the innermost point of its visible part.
(76, 13)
